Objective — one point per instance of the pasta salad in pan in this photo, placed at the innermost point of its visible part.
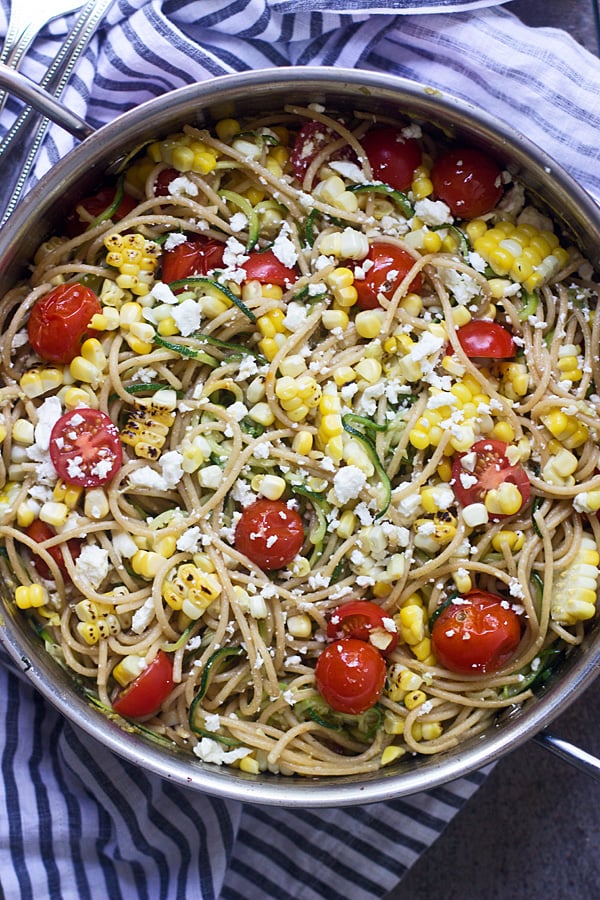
(300, 442)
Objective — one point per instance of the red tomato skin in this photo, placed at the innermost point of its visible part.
(359, 619)
(82, 440)
(385, 258)
(392, 157)
(494, 634)
(146, 693)
(59, 321)
(163, 181)
(312, 138)
(486, 340)
(95, 206)
(350, 675)
(197, 256)
(492, 469)
(264, 266)
(40, 531)
(468, 181)
(259, 524)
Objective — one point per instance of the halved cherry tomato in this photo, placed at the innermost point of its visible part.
(350, 675)
(269, 533)
(312, 138)
(163, 181)
(264, 266)
(85, 447)
(390, 264)
(486, 340)
(478, 632)
(393, 158)
(193, 257)
(40, 531)
(94, 206)
(146, 693)
(468, 180)
(59, 321)
(365, 621)
(488, 470)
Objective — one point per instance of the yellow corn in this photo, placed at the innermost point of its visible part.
(523, 253)
(23, 432)
(69, 494)
(107, 320)
(96, 622)
(184, 153)
(227, 129)
(560, 467)
(270, 486)
(346, 244)
(80, 395)
(565, 428)
(136, 259)
(302, 443)
(31, 596)
(128, 669)
(414, 699)
(431, 730)
(335, 318)
(194, 453)
(505, 500)
(412, 623)
(36, 382)
(54, 513)
(569, 358)
(299, 625)
(575, 588)
(515, 379)
(146, 563)
(333, 191)
(341, 282)
(190, 590)
(91, 365)
(261, 413)
(422, 185)
(512, 540)
(148, 425)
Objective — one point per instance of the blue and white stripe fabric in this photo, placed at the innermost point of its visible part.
(77, 822)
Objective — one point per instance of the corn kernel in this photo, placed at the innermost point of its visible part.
(414, 699)
(299, 626)
(369, 323)
(391, 754)
(31, 596)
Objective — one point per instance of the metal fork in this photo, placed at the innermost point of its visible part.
(25, 21)
(19, 149)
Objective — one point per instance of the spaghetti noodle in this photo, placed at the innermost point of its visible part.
(296, 377)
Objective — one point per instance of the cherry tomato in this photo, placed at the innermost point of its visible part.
(476, 633)
(163, 182)
(95, 206)
(390, 264)
(59, 321)
(269, 533)
(312, 138)
(393, 158)
(40, 531)
(193, 257)
(468, 180)
(490, 469)
(85, 448)
(148, 691)
(264, 266)
(487, 340)
(350, 675)
(365, 621)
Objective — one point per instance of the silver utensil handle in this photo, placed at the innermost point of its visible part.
(35, 96)
(572, 754)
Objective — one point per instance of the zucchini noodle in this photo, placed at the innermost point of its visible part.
(231, 382)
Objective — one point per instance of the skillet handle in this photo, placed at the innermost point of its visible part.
(572, 754)
(15, 83)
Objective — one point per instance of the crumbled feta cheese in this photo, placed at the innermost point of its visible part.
(213, 752)
(143, 616)
(284, 248)
(348, 483)
(296, 316)
(174, 239)
(187, 316)
(163, 294)
(433, 212)
(190, 540)
(183, 186)
(92, 564)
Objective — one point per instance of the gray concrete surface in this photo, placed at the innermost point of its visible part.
(532, 831)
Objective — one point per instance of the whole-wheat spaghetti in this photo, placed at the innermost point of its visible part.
(274, 317)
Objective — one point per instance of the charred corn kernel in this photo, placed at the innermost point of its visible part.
(107, 320)
(262, 414)
(190, 590)
(184, 153)
(302, 443)
(69, 494)
(575, 588)
(392, 723)
(409, 681)
(346, 244)
(369, 370)
(31, 596)
(23, 432)
(136, 259)
(436, 531)
(412, 624)
(36, 382)
(96, 622)
(505, 500)
(146, 563)
(227, 129)
(369, 323)
(54, 513)
(270, 486)
(128, 669)
(414, 699)
(333, 191)
(513, 540)
(148, 425)
(299, 626)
